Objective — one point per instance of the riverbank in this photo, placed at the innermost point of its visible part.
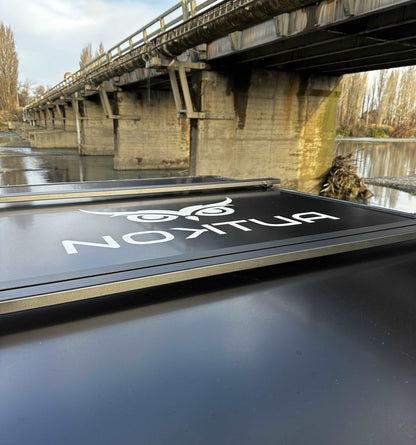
(373, 131)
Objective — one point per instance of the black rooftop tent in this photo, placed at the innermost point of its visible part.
(204, 310)
(141, 234)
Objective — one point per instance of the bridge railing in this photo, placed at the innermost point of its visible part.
(166, 21)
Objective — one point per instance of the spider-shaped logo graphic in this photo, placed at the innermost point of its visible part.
(191, 212)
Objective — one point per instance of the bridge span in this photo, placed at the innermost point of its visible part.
(242, 88)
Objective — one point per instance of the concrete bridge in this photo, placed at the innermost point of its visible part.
(241, 88)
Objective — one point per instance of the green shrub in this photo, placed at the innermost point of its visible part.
(343, 131)
(376, 132)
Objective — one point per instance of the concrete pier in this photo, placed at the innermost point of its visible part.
(97, 132)
(69, 117)
(148, 133)
(284, 126)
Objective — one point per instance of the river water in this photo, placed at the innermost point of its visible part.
(20, 164)
(383, 157)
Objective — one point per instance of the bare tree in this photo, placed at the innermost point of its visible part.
(387, 98)
(100, 50)
(25, 92)
(351, 103)
(87, 56)
(9, 63)
(406, 97)
(40, 90)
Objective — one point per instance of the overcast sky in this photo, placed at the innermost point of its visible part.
(50, 34)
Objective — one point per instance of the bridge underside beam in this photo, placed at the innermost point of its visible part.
(325, 38)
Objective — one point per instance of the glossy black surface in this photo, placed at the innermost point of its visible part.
(315, 352)
(108, 184)
(142, 237)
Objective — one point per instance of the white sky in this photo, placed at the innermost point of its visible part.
(50, 34)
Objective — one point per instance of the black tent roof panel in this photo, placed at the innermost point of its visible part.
(60, 251)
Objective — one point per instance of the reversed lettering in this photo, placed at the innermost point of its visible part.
(236, 224)
(310, 217)
(110, 243)
(289, 222)
(166, 236)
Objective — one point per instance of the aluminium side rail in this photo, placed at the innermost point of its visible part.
(127, 188)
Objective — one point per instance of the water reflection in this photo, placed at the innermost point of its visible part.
(383, 157)
(22, 165)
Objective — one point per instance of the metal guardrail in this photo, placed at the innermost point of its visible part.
(161, 24)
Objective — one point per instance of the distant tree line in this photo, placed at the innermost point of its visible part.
(379, 103)
(9, 64)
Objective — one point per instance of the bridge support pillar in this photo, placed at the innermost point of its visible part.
(97, 132)
(49, 118)
(42, 117)
(156, 139)
(69, 118)
(284, 126)
(58, 121)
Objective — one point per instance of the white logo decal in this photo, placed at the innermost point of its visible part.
(192, 212)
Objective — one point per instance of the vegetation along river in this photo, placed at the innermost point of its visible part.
(20, 164)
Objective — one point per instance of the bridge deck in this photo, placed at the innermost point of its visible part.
(332, 37)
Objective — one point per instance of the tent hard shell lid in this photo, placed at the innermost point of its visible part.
(141, 312)
(63, 242)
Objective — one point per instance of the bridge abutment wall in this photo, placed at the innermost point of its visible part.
(284, 126)
(157, 139)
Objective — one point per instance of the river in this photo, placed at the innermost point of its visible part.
(383, 157)
(20, 164)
